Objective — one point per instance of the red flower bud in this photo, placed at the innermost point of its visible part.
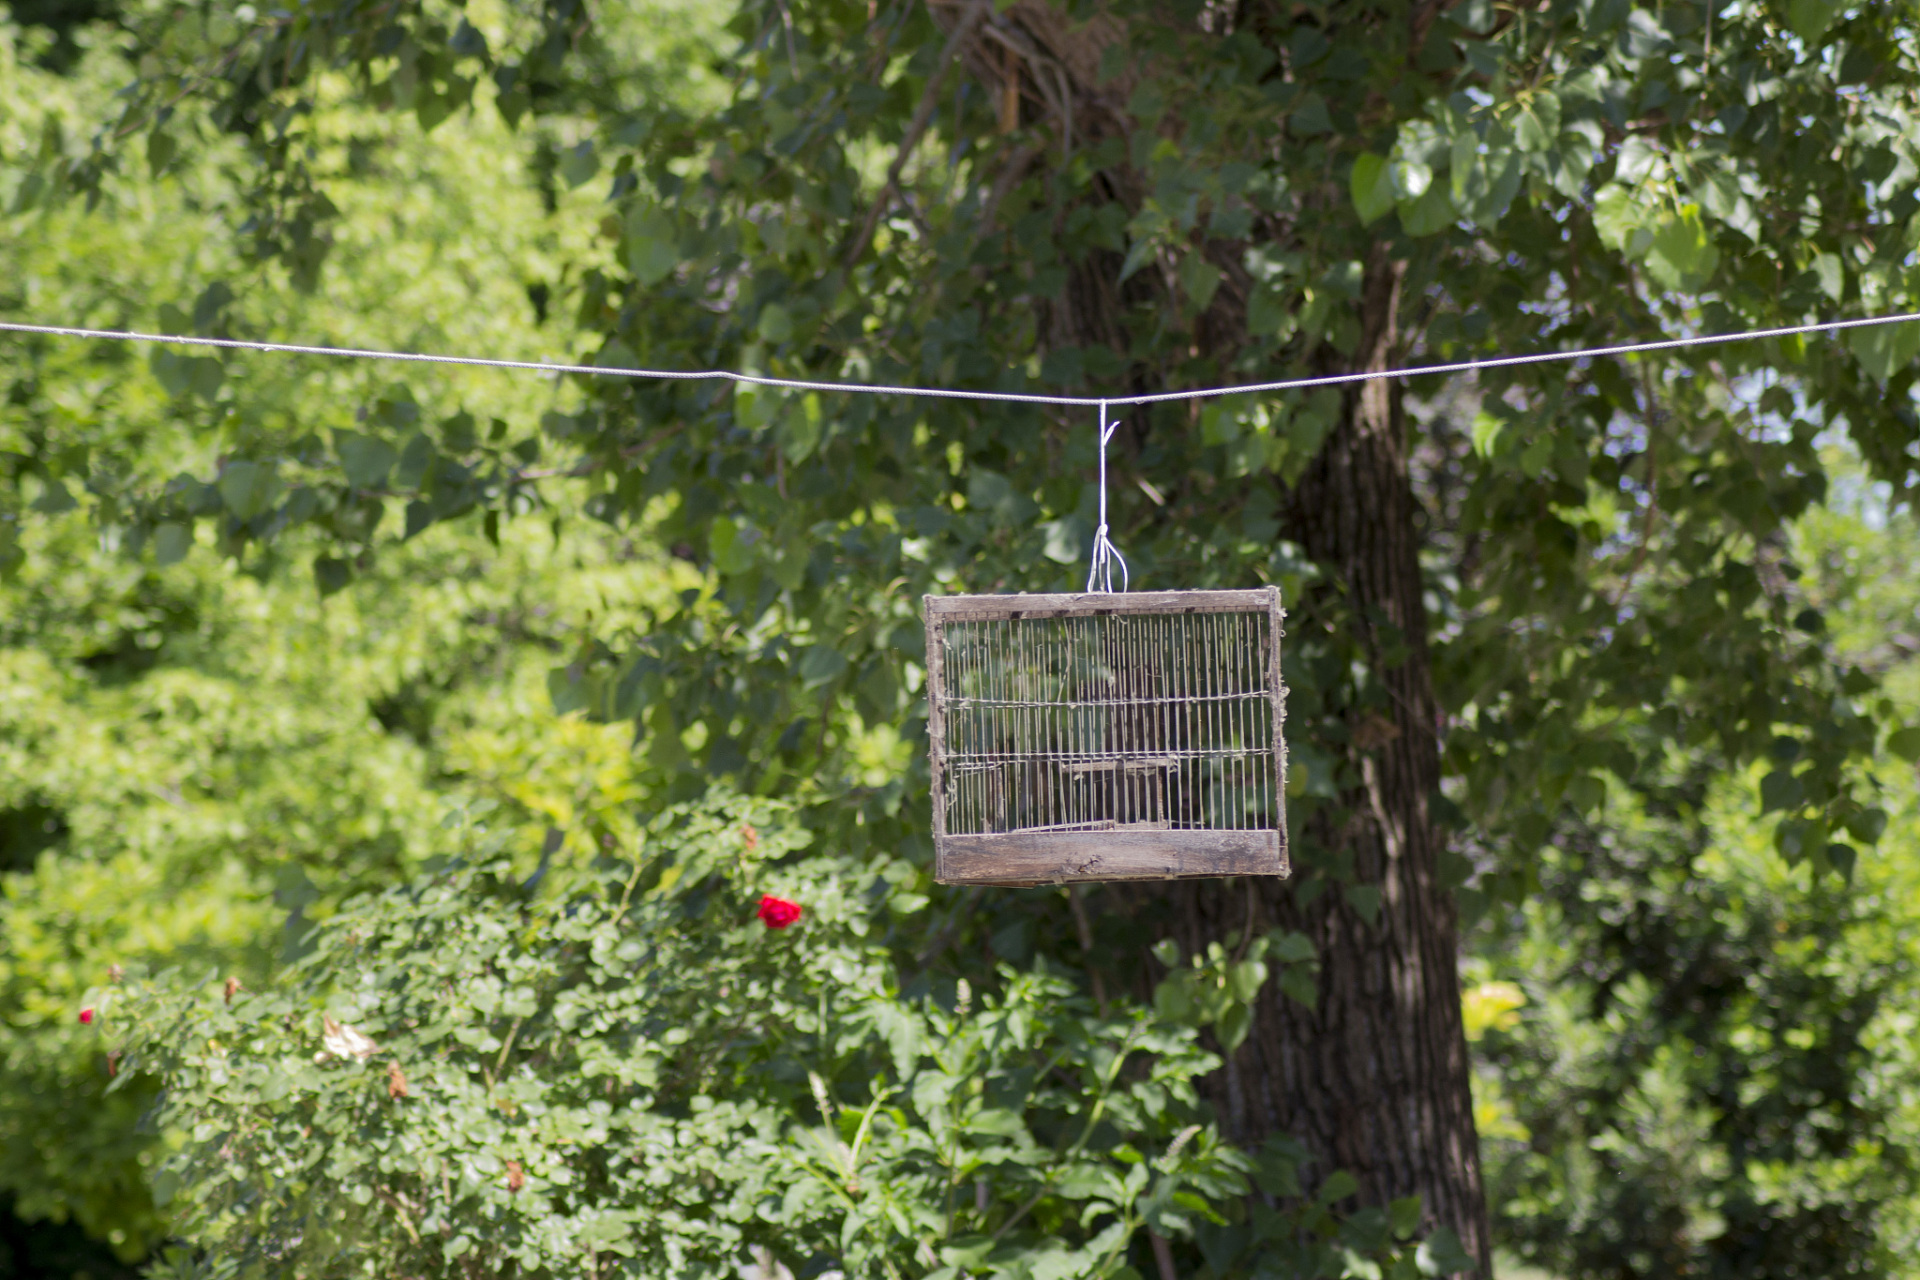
(86, 1015)
(778, 913)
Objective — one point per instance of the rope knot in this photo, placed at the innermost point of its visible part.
(1105, 554)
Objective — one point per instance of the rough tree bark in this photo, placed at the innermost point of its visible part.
(1375, 1079)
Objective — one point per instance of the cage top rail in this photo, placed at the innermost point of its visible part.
(1152, 700)
(993, 608)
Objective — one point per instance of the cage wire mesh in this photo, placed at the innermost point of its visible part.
(1096, 737)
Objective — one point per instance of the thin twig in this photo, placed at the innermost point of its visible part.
(922, 117)
(1162, 1255)
(1093, 1121)
(786, 19)
(1086, 948)
(513, 1033)
(1253, 915)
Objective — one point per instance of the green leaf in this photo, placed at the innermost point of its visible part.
(616, 355)
(1719, 194)
(171, 542)
(1245, 979)
(1310, 117)
(247, 488)
(1780, 790)
(1365, 900)
(1277, 1168)
(754, 407)
(1412, 175)
(652, 250)
(1617, 214)
(1139, 255)
(204, 377)
(1290, 947)
(1885, 349)
(790, 570)
(1220, 421)
(54, 499)
(1487, 431)
(567, 689)
(801, 427)
(468, 42)
(579, 163)
(1485, 185)
(1198, 279)
(365, 460)
(1841, 857)
(1404, 1216)
(1267, 313)
(1810, 19)
(1301, 986)
(775, 324)
(1536, 125)
(1868, 825)
(1173, 999)
(988, 491)
(1585, 793)
(1905, 743)
(1831, 273)
(1441, 1255)
(414, 461)
(1233, 1026)
(160, 151)
(1337, 1187)
(820, 664)
(330, 574)
(1431, 213)
(1196, 1204)
(1064, 539)
(1682, 255)
(1371, 184)
(732, 546)
(967, 1252)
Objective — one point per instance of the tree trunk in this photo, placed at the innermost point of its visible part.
(1375, 1079)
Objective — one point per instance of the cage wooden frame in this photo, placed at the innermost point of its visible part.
(1107, 736)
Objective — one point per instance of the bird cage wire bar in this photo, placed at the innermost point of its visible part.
(1101, 722)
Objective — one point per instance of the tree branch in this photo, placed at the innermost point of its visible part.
(922, 117)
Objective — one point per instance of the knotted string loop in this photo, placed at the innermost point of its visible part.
(1105, 554)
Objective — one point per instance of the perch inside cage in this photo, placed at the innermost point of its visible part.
(1106, 736)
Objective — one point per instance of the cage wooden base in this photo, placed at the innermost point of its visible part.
(1017, 858)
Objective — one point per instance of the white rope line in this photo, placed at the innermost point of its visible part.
(956, 393)
(1105, 554)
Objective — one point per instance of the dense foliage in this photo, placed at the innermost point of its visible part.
(642, 1076)
(263, 620)
(1694, 1059)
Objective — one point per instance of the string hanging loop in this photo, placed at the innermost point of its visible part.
(1105, 554)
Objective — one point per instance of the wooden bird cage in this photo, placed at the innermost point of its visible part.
(1130, 736)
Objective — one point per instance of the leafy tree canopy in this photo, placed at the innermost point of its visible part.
(832, 199)
(1175, 196)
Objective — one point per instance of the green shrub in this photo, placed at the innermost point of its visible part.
(634, 1073)
(631, 1073)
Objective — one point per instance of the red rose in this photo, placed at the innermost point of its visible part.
(86, 1015)
(778, 913)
